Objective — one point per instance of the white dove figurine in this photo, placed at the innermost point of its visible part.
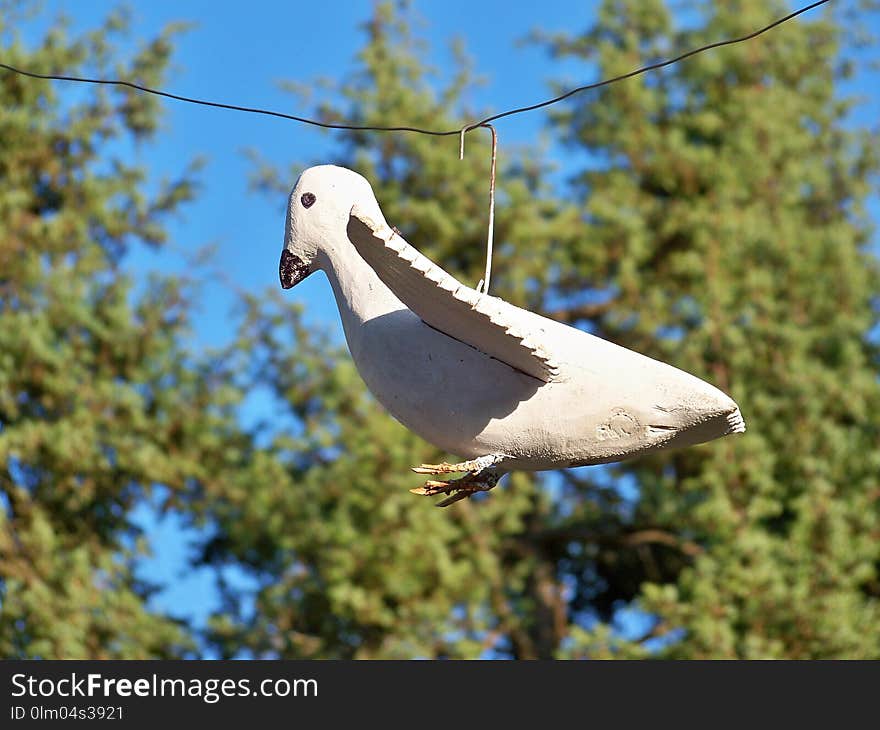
(499, 386)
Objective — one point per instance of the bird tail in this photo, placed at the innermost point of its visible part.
(736, 422)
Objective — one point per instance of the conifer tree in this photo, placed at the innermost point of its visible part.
(727, 234)
(723, 232)
(719, 226)
(100, 401)
(349, 563)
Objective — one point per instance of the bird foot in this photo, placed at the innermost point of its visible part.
(461, 488)
(480, 476)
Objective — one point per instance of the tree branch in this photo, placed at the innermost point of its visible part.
(651, 535)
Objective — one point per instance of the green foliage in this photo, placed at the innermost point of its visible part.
(98, 400)
(348, 562)
(719, 226)
(720, 229)
(728, 231)
(356, 566)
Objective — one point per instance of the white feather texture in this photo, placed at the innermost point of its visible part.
(475, 375)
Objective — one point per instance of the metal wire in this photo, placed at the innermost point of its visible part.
(483, 286)
(419, 130)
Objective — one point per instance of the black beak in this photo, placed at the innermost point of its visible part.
(292, 269)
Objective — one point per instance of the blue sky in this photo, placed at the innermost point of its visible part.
(241, 56)
(238, 56)
(239, 53)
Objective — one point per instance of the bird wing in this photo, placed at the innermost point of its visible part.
(486, 323)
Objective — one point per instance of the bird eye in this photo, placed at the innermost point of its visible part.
(308, 200)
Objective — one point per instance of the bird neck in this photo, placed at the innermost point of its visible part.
(360, 293)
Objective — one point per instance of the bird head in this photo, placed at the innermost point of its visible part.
(317, 215)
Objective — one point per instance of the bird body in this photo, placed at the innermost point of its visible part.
(472, 374)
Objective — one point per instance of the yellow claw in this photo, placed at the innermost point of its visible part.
(443, 468)
(432, 487)
(474, 480)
